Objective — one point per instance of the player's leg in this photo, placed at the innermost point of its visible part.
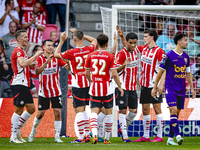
(122, 103)
(145, 98)
(79, 106)
(108, 104)
(132, 104)
(57, 105)
(96, 104)
(43, 105)
(100, 118)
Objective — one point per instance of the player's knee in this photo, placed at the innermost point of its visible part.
(146, 111)
(122, 110)
(31, 110)
(133, 110)
(57, 113)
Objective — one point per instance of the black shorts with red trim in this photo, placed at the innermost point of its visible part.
(44, 103)
(21, 95)
(129, 99)
(106, 101)
(145, 96)
(80, 97)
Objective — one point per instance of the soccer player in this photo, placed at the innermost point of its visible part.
(151, 56)
(20, 86)
(49, 88)
(100, 63)
(177, 66)
(127, 68)
(80, 84)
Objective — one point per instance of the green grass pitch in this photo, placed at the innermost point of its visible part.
(48, 144)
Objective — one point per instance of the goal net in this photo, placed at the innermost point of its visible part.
(167, 21)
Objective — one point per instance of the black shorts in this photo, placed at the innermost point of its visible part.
(80, 97)
(106, 101)
(44, 103)
(145, 96)
(129, 99)
(21, 95)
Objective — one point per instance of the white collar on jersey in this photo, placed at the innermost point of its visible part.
(177, 53)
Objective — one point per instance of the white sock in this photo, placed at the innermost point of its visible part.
(93, 124)
(159, 123)
(36, 122)
(86, 126)
(108, 126)
(146, 125)
(80, 124)
(129, 118)
(122, 123)
(14, 125)
(169, 139)
(100, 119)
(22, 120)
(178, 136)
(57, 125)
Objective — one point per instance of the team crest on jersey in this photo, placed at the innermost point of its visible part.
(54, 63)
(18, 54)
(185, 60)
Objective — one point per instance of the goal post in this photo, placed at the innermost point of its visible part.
(127, 18)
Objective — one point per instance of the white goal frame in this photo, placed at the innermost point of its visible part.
(116, 8)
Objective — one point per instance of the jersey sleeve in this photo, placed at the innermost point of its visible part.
(62, 63)
(164, 62)
(43, 21)
(66, 55)
(160, 54)
(120, 58)
(87, 62)
(91, 47)
(19, 53)
(113, 62)
(25, 18)
(140, 48)
(188, 65)
(39, 62)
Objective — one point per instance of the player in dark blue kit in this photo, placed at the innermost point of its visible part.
(177, 66)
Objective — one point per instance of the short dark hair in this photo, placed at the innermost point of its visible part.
(47, 40)
(102, 40)
(132, 36)
(36, 3)
(153, 33)
(178, 37)
(79, 34)
(36, 48)
(18, 33)
(7, 2)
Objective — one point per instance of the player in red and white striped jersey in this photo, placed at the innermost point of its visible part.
(101, 64)
(80, 84)
(151, 56)
(49, 88)
(35, 24)
(127, 68)
(20, 86)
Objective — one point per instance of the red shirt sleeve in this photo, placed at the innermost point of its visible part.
(43, 21)
(160, 54)
(25, 18)
(120, 58)
(39, 62)
(61, 63)
(140, 48)
(66, 55)
(19, 53)
(113, 62)
(87, 62)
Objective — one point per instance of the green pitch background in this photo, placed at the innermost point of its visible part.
(48, 144)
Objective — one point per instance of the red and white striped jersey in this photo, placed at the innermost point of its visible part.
(128, 76)
(77, 57)
(100, 62)
(34, 34)
(49, 84)
(32, 72)
(21, 75)
(28, 7)
(150, 60)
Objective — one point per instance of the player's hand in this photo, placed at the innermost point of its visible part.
(160, 89)
(63, 37)
(138, 84)
(5, 66)
(33, 64)
(33, 21)
(49, 58)
(121, 91)
(119, 31)
(39, 52)
(8, 9)
(127, 61)
(153, 92)
(193, 94)
(73, 30)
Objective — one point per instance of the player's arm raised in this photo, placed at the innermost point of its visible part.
(63, 38)
(40, 69)
(158, 77)
(114, 48)
(115, 76)
(189, 79)
(24, 63)
(120, 33)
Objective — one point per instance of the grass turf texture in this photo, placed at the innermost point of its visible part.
(116, 143)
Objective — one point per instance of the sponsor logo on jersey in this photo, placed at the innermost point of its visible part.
(132, 64)
(49, 71)
(146, 60)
